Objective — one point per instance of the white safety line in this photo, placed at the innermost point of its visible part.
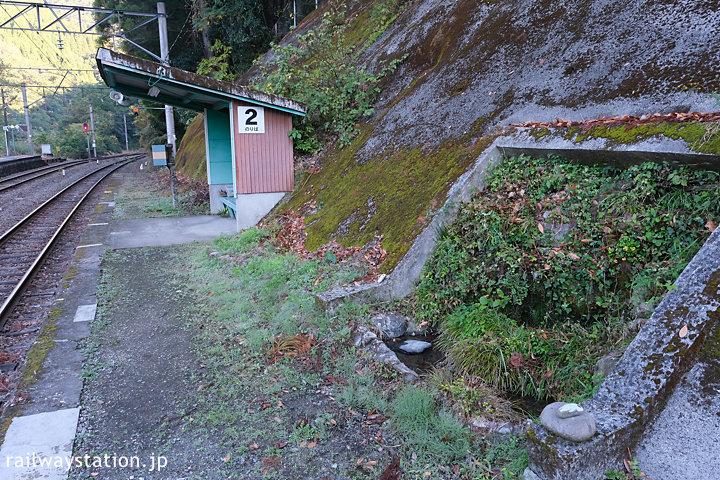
(91, 245)
(38, 446)
(85, 313)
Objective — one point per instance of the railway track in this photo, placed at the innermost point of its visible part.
(24, 245)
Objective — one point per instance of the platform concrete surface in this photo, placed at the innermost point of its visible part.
(156, 232)
(39, 446)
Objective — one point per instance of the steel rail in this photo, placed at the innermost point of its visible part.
(15, 293)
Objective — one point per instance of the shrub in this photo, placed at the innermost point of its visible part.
(552, 263)
(322, 72)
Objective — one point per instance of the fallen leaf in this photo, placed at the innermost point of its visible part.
(311, 444)
(540, 227)
(281, 404)
(573, 256)
(710, 225)
(280, 445)
(303, 443)
(376, 419)
(683, 331)
(227, 458)
(517, 360)
(255, 446)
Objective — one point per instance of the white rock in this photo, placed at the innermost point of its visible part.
(415, 346)
(569, 410)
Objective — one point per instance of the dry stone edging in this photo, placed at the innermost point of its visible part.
(368, 340)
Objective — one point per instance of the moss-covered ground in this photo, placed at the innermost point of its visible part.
(393, 194)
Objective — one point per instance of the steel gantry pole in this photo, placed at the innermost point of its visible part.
(92, 130)
(164, 55)
(7, 146)
(127, 145)
(31, 148)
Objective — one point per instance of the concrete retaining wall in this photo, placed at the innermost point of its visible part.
(10, 165)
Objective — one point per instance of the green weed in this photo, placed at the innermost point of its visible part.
(543, 272)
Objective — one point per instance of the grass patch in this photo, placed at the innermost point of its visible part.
(265, 346)
(148, 196)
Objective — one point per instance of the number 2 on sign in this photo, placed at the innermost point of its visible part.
(251, 119)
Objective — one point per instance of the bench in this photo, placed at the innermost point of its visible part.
(229, 202)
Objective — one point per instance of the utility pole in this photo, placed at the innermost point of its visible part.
(127, 145)
(7, 147)
(164, 55)
(92, 129)
(173, 177)
(12, 133)
(31, 148)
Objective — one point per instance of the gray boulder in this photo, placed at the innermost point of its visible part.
(577, 428)
(391, 325)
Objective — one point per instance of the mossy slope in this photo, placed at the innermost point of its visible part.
(190, 158)
(474, 63)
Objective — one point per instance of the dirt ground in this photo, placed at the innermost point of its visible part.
(148, 394)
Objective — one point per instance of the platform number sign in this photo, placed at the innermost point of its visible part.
(251, 119)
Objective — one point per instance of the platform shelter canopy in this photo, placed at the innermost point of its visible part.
(136, 77)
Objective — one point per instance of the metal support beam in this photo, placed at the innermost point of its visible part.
(31, 148)
(92, 130)
(165, 60)
(7, 146)
(127, 144)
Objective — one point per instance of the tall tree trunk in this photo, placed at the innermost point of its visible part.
(198, 9)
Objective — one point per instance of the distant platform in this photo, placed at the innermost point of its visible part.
(19, 163)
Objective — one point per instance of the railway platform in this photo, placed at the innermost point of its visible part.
(41, 429)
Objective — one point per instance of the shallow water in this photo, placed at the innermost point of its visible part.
(419, 362)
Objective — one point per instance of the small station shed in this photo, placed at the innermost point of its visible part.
(248, 152)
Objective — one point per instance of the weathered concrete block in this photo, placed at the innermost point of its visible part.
(331, 299)
(369, 341)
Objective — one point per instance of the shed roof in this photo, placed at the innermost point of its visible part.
(135, 76)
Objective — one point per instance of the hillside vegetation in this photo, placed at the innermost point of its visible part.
(465, 68)
(62, 84)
